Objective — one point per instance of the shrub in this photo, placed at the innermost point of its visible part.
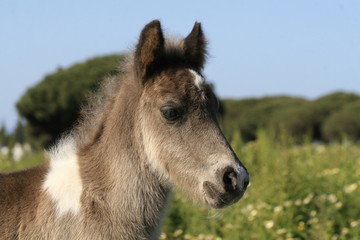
(343, 123)
(53, 105)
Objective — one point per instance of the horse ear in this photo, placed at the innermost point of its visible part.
(195, 47)
(149, 49)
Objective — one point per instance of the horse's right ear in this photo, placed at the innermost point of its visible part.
(195, 47)
(149, 50)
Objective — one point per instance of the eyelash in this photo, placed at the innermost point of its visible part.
(171, 113)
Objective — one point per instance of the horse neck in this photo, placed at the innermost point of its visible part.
(114, 171)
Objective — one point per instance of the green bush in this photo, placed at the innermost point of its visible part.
(296, 122)
(250, 115)
(52, 106)
(343, 123)
(323, 107)
(295, 117)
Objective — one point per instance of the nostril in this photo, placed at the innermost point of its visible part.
(230, 179)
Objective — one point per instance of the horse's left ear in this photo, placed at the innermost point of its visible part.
(149, 50)
(195, 47)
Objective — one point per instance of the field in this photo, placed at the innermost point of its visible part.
(307, 191)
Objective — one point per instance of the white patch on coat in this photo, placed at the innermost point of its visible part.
(198, 79)
(63, 182)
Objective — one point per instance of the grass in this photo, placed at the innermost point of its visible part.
(28, 160)
(308, 191)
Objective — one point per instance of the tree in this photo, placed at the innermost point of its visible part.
(343, 123)
(250, 115)
(52, 106)
(323, 107)
(294, 117)
(3, 135)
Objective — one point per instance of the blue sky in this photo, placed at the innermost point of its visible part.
(305, 48)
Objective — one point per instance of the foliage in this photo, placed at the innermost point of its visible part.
(52, 106)
(307, 191)
(28, 160)
(249, 115)
(343, 123)
(296, 117)
(323, 107)
(17, 136)
(3, 136)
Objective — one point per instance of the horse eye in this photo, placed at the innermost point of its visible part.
(170, 113)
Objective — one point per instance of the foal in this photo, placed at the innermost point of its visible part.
(152, 127)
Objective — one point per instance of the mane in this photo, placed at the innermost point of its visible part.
(92, 113)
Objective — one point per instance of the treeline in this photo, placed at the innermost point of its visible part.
(18, 135)
(53, 105)
(333, 117)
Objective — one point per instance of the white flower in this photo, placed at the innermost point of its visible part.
(307, 200)
(250, 207)
(178, 232)
(331, 171)
(313, 220)
(354, 223)
(345, 231)
(163, 236)
(253, 213)
(338, 205)
(335, 237)
(269, 224)
(350, 188)
(313, 213)
(289, 236)
(201, 236)
(281, 231)
(278, 209)
(287, 203)
(322, 197)
(301, 226)
(332, 198)
(229, 225)
(262, 205)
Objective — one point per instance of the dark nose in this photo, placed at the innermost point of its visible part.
(246, 182)
(229, 178)
(229, 188)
